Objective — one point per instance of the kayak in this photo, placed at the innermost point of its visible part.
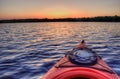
(81, 63)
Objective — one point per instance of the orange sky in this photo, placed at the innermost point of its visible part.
(17, 9)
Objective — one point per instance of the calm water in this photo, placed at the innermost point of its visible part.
(29, 50)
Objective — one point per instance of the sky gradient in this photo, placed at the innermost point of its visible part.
(21, 9)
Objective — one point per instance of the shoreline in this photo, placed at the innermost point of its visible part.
(85, 19)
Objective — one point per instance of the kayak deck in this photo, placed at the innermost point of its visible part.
(81, 63)
(65, 66)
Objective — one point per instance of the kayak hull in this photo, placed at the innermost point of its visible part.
(64, 69)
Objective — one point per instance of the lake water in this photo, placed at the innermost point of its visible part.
(29, 50)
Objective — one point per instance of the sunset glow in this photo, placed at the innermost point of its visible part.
(17, 9)
(59, 14)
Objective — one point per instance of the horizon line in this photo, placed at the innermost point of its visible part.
(60, 18)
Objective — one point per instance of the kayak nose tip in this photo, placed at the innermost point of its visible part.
(83, 41)
(82, 44)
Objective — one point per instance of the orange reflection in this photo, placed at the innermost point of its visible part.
(60, 30)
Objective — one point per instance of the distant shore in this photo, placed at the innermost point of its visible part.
(85, 19)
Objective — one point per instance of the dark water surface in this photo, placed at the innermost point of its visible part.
(29, 50)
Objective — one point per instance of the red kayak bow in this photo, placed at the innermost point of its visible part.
(81, 63)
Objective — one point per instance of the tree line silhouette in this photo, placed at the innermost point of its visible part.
(85, 19)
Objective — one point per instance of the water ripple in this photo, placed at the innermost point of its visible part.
(29, 50)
